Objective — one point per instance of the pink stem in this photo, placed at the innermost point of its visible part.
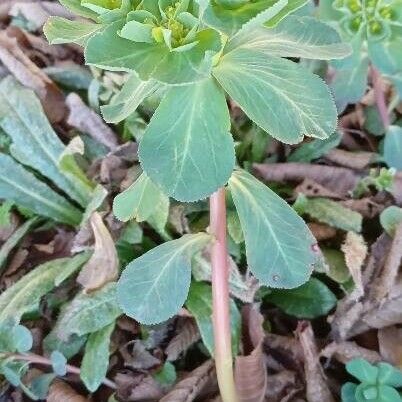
(220, 298)
(36, 359)
(380, 97)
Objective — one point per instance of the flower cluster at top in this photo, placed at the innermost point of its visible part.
(374, 16)
(171, 22)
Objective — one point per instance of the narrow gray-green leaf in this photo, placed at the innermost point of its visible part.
(96, 358)
(199, 303)
(34, 141)
(76, 7)
(27, 292)
(187, 141)
(393, 147)
(60, 30)
(154, 286)
(88, 313)
(23, 188)
(279, 245)
(304, 37)
(126, 102)
(139, 201)
(310, 300)
(330, 212)
(284, 99)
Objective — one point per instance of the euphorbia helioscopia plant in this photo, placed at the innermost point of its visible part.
(199, 53)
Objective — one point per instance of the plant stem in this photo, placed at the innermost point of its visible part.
(220, 298)
(380, 97)
(36, 359)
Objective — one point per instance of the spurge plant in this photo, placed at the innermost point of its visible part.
(199, 54)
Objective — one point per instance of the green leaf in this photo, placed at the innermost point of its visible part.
(285, 100)
(229, 17)
(302, 37)
(69, 349)
(139, 201)
(389, 375)
(22, 339)
(126, 102)
(199, 303)
(338, 271)
(362, 370)
(88, 313)
(60, 30)
(154, 286)
(109, 51)
(59, 363)
(34, 141)
(390, 218)
(393, 147)
(167, 375)
(315, 149)
(76, 7)
(330, 212)
(14, 239)
(23, 188)
(192, 122)
(348, 392)
(388, 394)
(279, 245)
(27, 292)
(96, 358)
(311, 300)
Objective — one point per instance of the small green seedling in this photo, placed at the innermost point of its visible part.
(378, 383)
(15, 343)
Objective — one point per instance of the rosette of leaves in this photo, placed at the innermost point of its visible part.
(378, 383)
(374, 29)
(199, 52)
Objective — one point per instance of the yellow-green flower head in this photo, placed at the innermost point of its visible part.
(172, 22)
(374, 17)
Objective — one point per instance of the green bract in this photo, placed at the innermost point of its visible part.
(378, 382)
(374, 28)
(198, 51)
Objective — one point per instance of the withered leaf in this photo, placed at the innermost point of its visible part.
(61, 391)
(317, 388)
(103, 266)
(390, 343)
(188, 389)
(250, 370)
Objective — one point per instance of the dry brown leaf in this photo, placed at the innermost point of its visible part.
(86, 120)
(137, 387)
(316, 386)
(187, 334)
(321, 231)
(103, 266)
(382, 314)
(390, 344)
(389, 273)
(192, 386)
(337, 179)
(250, 370)
(367, 206)
(311, 188)
(353, 160)
(281, 385)
(355, 250)
(345, 351)
(31, 76)
(137, 357)
(397, 188)
(61, 391)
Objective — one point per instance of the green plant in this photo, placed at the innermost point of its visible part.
(196, 53)
(378, 382)
(373, 28)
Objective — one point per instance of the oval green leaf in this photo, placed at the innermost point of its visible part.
(279, 245)
(154, 286)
